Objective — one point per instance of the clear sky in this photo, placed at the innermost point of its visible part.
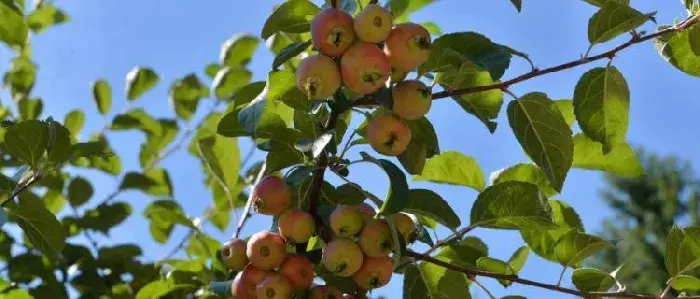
(107, 38)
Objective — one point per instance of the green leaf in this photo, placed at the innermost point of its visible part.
(612, 20)
(427, 203)
(229, 80)
(97, 154)
(283, 87)
(484, 105)
(686, 283)
(676, 48)
(314, 147)
(160, 288)
(228, 125)
(402, 9)
(600, 3)
(544, 135)
(140, 80)
(163, 215)
(222, 158)
(542, 242)
(495, 266)
(288, 52)
(54, 201)
(575, 247)
(30, 108)
(444, 283)
(79, 191)
(465, 253)
(694, 37)
(293, 16)
(517, 260)
(74, 122)
(423, 145)
(40, 226)
(592, 280)
(13, 29)
(413, 285)
(683, 250)
(238, 50)
(60, 146)
(524, 172)
(453, 168)
(566, 108)
(46, 16)
(137, 119)
(154, 182)
(512, 205)
(349, 194)
(471, 47)
(601, 104)
(262, 117)
(105, 216)
(21, 77)
(185, 93)
(621, 160)
(102, 94)
(157, 141)
(432, 27)
(397, 198)
(28, 141)
(518, 4)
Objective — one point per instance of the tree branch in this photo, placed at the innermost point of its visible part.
(516, 279)
(30, 181)
(246, 211)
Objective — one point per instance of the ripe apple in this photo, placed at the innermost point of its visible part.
(412, 99)
(318, 77)
(374, 273)
(296, 226)
(346, 221)
(271, 196)
(388, 134)
(233, 254)
(275, 286)
(332, 32)
(376, 239)
(342, 257)
(364, 68)
(408, 46)
(299, 271)
(373, 24)
(266, 250)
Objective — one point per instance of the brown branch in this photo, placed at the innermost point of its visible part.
(516, 279)
(588, 59)
(246, 211)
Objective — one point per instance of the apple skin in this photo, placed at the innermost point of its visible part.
(346, 221)
(233, 254)
(318, 77)
(332, 32)
(275, 286)
(364, 68)
(325, 292)
(408, 46)
(266, 250)
(373, 24)
(271, 196)
(296, 226)
(406, 227)
(376, 239)
(299, 271)
(388, 135)
(375, 272)
(411, 99)
(342, 257)
(243, 286)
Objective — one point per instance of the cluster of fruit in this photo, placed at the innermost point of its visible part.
(362, 54)
(359, 248)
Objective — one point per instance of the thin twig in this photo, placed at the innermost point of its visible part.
(561, 275)
(369, 195)
(669, 285)
(246, 211)
(30, 181)
(483, 287)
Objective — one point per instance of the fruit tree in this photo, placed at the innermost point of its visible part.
(334, 61)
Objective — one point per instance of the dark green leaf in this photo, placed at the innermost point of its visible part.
(676, 48)
(465, 253)
(102, 94)
(592, 280)
(524, 172)
(612, 20)
(575, 247)
(79, 191)
(74, 122)
(543, 134)
(468, 47)
(453, 168)
(163, 215)
(40, 226)
(140, 80)
(512, 205)
(154, 182)
(222, 158)
(30, 108)
(157, 141)
(28, 141)
(46, 16)
(229, 80)
(622, 160)
(518, 4)
(542, 242)
(97, 154)
(683, 250)
(289, 52)
(423, 145)
(283, 87)
(238, 50)
(184, 95)
(293, 16)
(137, 119)
(429, 204)
(60, 145)
(106, 216)
(13, 29)
(601, 104)
(444, 283)
(397, 198)
(350, 194)
(228, 125)
(413, 285)
(316, 146)
(600, 3)
(686, 283)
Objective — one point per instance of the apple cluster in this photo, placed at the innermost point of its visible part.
(362, 54)
(359, 247)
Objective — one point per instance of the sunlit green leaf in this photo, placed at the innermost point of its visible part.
(612, 20)
(39, 225)
(102, 95)
(46, 16)
(238, 50)
(140, 80)
(592, 280)
(429, 204)
(453, 168)
(13, 29)
(229, 80)
(622, 160)
(28, 141)
(676, 48)
(292, 16)
(574, 247)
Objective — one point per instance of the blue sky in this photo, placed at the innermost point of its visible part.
(107, 38)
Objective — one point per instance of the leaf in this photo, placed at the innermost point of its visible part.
(517, 260)
(600, 3)
(601, 104)
(105, 216)
(288, 52)
(262, 117)
(676, 48)
(621, 160)
(397, 197)
(427, 203)
(518, 4)
(74, 122)
(136, 119)
(154, 182)
(238, 50)
(566, 108)
(157, 141)
(228, 125)
(683, 250)
(46, 16)
(60, 146)
(283, 87)
(160, 288)
(484, 105)
(221, 155)
(465, 253)
(524, 172)
(13, 29)
(316, 146)
(592, 280)
(453, 168)
(140, 80)
(470, 47)
(575, 247)
(544, 135)
(21, 77)
(293, 16)
(102, 94)
(28, 141)
(30, 108)
(54, 201)
(686, 283)
(413, 285)
(423, 145)
(163, 215)
(495, 266)
(512, 205)
(694, 37)
(229, 80)
(432, 27)
(542, 242)
(40, 226)
(612, 20)
(401, 9)
(79, 191)
(185, 93)
(444, 283)
(350, 195)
